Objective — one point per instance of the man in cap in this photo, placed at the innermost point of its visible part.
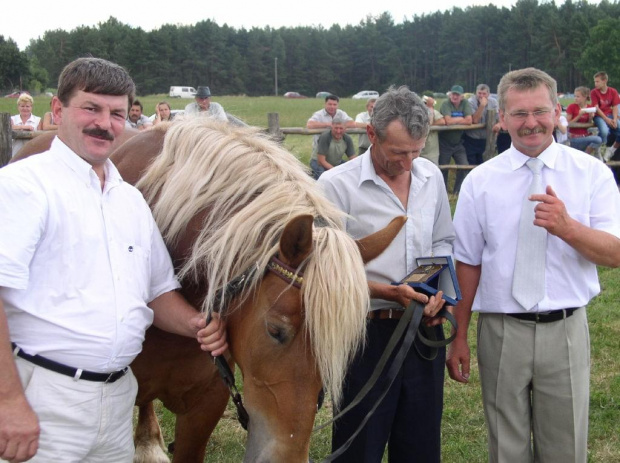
(456, 111)
(204, 106)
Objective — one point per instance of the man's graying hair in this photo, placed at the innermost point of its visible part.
(526, 80)
(94, 75)
(338, 120)
(402, 104)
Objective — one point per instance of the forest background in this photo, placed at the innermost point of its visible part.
(430, 52)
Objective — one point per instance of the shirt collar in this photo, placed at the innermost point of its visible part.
(549, 156)
(419, 172)
(82, 168)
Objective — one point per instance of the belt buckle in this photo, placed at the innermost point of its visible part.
(390, 313)
(113, 376)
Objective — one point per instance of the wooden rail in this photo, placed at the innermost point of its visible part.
(7, 135)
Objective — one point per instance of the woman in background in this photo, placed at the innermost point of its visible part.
(162, 113)
(580, 112)
(25, 120)
(48, 122)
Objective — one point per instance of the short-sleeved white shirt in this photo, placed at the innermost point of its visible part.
(487, 224)
(78, 265)
(323, 116)
(363, 118)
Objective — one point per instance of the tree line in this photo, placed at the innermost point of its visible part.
(430, 52)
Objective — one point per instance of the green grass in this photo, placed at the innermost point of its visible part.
(463, 429)
(464, 435)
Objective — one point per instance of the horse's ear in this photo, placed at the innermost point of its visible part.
(296, 240)
(373, 245)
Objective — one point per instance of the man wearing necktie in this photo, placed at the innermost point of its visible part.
(532, 224)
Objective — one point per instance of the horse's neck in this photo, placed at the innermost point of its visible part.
(134, 156)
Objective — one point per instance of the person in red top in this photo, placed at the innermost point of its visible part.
(581, 112)
(606, 99)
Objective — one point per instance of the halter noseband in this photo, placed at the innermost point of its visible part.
(292, 276)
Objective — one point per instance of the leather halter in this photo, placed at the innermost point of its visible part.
(292, 276)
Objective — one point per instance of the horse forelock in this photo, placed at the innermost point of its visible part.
(336, 298)
(250, 188)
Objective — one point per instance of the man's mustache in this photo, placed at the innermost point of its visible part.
(99, 133)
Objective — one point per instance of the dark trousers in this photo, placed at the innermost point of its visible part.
(474, 147)
(409, 417)
(503, 142)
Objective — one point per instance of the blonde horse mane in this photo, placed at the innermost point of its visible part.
(249, 188)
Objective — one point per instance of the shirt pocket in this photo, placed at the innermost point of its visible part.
(137, 265)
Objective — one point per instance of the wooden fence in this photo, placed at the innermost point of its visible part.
(489, 151)
(7, 135)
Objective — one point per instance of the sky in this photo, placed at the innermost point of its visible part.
(43, 15)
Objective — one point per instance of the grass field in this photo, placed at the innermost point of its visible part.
(464, 437)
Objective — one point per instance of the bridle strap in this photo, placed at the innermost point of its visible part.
(410, 324)
(222, 299)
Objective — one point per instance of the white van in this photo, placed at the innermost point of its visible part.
(182, 92)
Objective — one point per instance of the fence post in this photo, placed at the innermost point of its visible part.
(273, 124)
(489, 149)
(6, 139)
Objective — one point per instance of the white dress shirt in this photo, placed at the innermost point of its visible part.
(487, 223)
(357, 190)
(78, 265)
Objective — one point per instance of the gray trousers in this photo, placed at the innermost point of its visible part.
(448, 151)
(535, 384)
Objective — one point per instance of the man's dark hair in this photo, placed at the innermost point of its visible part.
(94, 75)
(403, 105)
(137, 103)
(332, 97)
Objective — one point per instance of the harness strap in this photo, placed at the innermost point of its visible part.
(411, 322)
(414, 314)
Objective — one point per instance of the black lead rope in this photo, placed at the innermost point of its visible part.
(410, 321)
(233, 288)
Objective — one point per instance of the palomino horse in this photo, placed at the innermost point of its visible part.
(227, 200)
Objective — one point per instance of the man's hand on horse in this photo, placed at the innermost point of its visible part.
(212, 337)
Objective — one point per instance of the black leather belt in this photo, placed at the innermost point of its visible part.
(75, 373)
(386, 314)
(548, 317)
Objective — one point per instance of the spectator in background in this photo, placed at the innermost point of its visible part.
(361, 121)
(48, 123)
(25, 120)
(606, 100)
(561, 131)
(475, 141)
(582, 113)
(135, 118)
(456, 111)
(204, 106)
(431, 147)
(163, 113)
(322, 119)
(333, 145)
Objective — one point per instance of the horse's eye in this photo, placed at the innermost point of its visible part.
(276, 333)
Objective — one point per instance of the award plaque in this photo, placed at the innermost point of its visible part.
(434, 274)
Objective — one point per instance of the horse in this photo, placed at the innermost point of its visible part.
(233, 205)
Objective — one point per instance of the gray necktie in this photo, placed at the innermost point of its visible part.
(528, 282)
